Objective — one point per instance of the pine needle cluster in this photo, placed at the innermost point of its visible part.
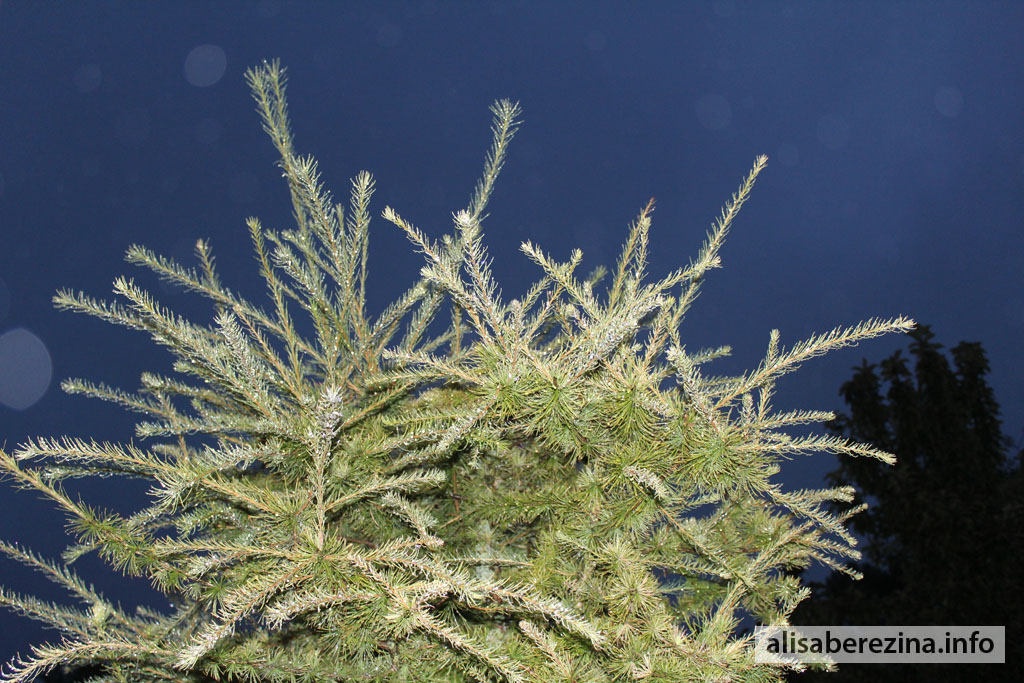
(458, 489)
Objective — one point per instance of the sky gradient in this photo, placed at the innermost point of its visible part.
(894, 183)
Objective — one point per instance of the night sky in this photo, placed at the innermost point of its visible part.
(894, 183)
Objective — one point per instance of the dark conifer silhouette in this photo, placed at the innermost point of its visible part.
(942, 535)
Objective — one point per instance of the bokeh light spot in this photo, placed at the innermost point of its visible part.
(25, 369)
(724, 8)
(268, 8)
(833, 131)
(595, 40)
(244, 188)
(949, 101)
(133, 127)
(530, 153)
(5, 300)
(389, 35)
(205, 65)
(88, 77)
(714, 111)
(208, 131)
(788, 154)
(169, 184)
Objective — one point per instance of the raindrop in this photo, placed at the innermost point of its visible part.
(25, 369)
(205, 65)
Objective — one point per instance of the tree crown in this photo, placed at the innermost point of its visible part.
(548, 489)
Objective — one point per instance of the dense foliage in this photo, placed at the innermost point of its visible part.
(549, 489)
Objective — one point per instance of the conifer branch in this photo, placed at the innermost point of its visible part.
(514, 491)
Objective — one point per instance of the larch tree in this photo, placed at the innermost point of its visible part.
(459, 488)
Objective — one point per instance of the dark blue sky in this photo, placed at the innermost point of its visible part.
(894, 186)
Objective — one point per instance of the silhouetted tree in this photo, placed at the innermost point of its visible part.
(942, 536)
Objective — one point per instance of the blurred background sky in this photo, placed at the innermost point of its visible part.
(894, 184)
